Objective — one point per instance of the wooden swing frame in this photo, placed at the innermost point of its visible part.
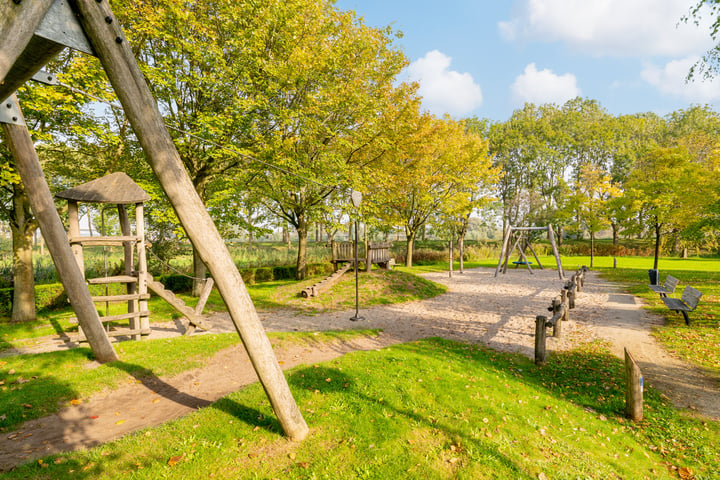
(521, 243)
(32, 33)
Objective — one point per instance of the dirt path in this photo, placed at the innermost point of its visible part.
(479, 308)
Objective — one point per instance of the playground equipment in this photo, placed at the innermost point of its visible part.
(32, 33)
(119, 189)
(343, 259)
(522, 243)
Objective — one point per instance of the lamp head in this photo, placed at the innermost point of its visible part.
(356, 198)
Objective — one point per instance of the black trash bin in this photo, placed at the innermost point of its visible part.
(654, 276)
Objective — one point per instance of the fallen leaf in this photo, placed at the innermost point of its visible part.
(252, 455)
(256, 429)
(685, 473)
(3, 417)
(292, 455)
(175, 460)
(75, 401)
(93, 417)
(156, 400)
(119, 422)
(27, 405)
(11, 371)
(280, 362)
(303, 465)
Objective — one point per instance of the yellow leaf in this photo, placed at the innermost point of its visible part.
(119, 422)
(175, 460)
(75, 401)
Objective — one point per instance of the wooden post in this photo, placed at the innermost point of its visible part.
(107, 40)
(142, 272)
(74, 232)
(540, 334)
(41, 201)
(557, 305)
(633, 389)
(503, 249)
(18, 23)
(132, 305)
(551, 237)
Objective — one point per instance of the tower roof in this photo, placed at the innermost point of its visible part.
(115, 188)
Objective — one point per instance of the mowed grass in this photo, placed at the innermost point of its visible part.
(33, 386)
(431, 409)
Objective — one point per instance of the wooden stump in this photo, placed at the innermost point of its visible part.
(540, 334)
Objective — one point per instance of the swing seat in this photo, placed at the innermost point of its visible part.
(520, 262)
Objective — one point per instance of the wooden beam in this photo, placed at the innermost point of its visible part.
(18, 22)
(503, 249)
(551, 237)
(142, 111)
(38, 52)
(43, 206)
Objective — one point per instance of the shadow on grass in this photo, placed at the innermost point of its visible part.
(316, 380)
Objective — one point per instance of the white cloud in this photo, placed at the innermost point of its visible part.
(610, 27)
(444, 90)
(544, 86)
(670, 80)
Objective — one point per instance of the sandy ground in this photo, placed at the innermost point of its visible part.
(478, 308)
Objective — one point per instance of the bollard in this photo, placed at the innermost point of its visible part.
(540, 333)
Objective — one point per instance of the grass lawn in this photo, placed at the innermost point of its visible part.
(432, 409)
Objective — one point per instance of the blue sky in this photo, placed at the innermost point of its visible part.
(487, 58)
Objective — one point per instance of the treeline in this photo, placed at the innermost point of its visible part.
(280, 109)
(584, 170)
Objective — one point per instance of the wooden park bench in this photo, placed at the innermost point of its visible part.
(687, 303)
(669, 286)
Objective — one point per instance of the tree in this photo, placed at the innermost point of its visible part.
(594, 192)
(709, 65)
(668, 191)
(328, 94)
(433, 171)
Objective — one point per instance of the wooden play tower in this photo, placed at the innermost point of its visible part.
(115, 189)
(32, 32)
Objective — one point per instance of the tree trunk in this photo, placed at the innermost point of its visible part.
(23, 227)
(410, 235)
(615, 233)
(559, 235)
(461, 248)
(657, 245)
(286, 235)
(302, 231)
(592, 248)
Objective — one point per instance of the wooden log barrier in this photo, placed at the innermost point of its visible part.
(540, 334)
(571, 289)
(633, 389)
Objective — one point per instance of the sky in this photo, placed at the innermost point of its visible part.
(487, 58)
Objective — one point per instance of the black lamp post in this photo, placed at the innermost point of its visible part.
(356, 198)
